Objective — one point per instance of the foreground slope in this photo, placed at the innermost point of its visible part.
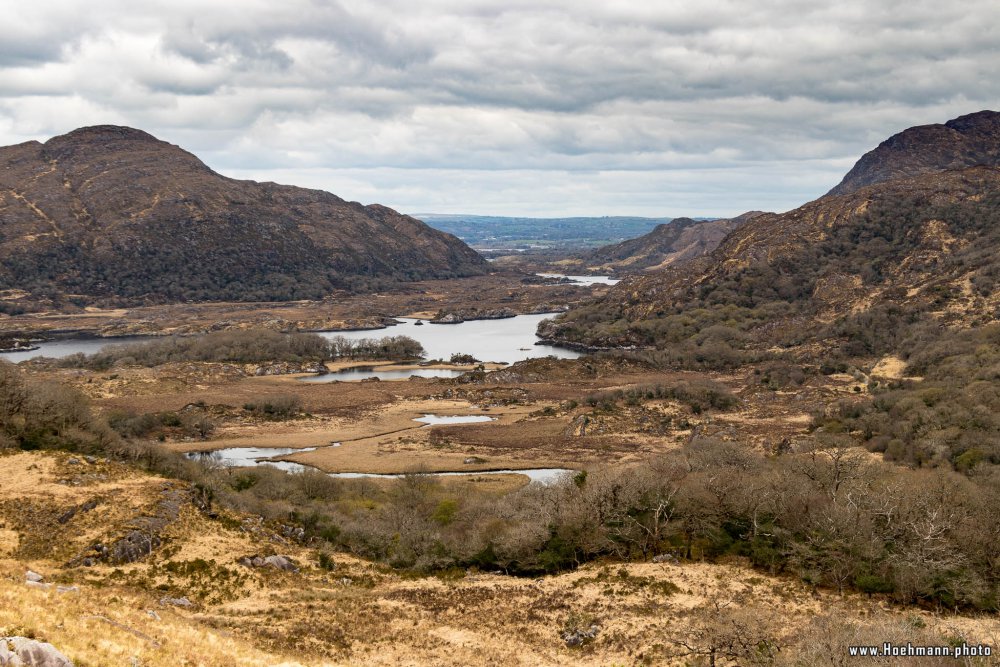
(113, 212)
(192, 602)
(855, 264)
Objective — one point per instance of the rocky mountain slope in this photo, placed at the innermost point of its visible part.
(860, 265)
(680, 240)
(113, 212)
(967, 141)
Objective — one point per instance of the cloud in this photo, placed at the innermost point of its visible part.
(493, 107)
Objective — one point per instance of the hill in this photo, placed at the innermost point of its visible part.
(671, 243)
(856, 269)
(112, 212)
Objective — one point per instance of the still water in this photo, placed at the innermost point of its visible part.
(506, 341)
(63, 348)
(364, 372)
(584, 280)
(246, 457)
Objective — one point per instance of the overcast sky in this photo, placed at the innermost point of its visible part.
(508, 107)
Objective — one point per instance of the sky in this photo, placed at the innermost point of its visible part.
(508, 107)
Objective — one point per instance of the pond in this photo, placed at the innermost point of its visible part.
(242, 457)
(247, 457)
(454, 419)
(365, 372)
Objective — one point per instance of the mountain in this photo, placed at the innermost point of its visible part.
(113, 212)
(860, 268)
(967, 141)
(681, 240)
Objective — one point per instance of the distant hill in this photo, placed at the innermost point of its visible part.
(511, 233)
(113, 213)
(909, 239)
(681, 240)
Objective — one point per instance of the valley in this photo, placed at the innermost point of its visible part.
(758, 440)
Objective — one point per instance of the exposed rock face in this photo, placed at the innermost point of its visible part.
(680, 240)
(966, 141)
(113, 212)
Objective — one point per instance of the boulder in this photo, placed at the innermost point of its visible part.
(24, 652)
(281, 563)
(38, 584)
(30, 575)
(580, 636)
(175, 602)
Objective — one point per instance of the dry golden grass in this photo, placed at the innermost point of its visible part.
(360, 613)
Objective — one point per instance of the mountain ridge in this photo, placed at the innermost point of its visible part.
(857, 268)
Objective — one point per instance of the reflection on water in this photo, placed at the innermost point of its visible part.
(542, 475)
(57, 349)
(454, 419)
(506, 341)
(246, 457)
(584, 280)
(365, 372)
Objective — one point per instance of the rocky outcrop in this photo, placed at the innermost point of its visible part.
(24, 652)
(464, 315)
(291, 367)
(276, 562)
(113, 213)
(144, 533)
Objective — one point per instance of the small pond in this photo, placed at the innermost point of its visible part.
(454, 419)
(366, 372)
(246, 457)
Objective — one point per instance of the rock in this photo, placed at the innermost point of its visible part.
(579, 636)
(33, 576)
(134, 546)
(175, 602)
(281, 563)
(472, 460)
(90, 459)
(73, 461)
(67, 589)
(21, 651)
(38, 584)
(664, 558)
(152, 614)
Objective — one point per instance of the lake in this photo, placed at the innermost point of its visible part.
(584, 280)
(505, 341)
(63, 348)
